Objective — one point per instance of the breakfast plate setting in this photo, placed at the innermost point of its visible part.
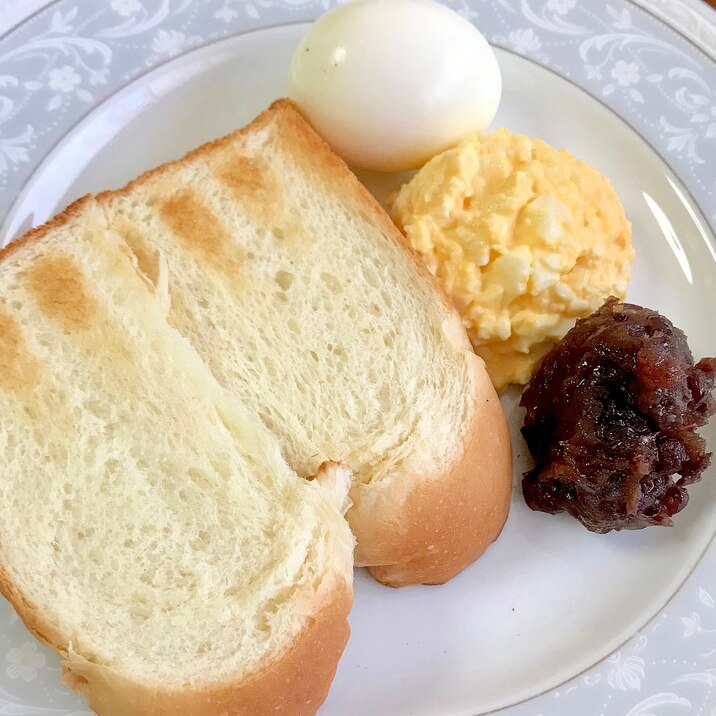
(357, 358)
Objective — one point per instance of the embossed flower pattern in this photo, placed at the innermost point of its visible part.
(226, 14)
(625, 671)
(707, 118)
(125, 8)
(524, 41)
(24, 663)
(63, 79)
(692, 624)
(168, 42)
(561, 7)
(625, 73)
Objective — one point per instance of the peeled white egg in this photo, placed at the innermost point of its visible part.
(391, 83)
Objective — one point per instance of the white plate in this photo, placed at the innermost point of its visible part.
(549, 599)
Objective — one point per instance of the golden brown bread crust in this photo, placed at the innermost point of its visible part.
(449, 520)
(320, 152)
(26, 610)
(72, 211)
(263, 119)
(294, 684)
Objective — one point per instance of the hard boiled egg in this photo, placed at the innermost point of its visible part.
(391, 83)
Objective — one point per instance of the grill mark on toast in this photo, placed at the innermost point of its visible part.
(18, 367)
(199, 230)
(260, 196)
(61, 292)
(244, 177)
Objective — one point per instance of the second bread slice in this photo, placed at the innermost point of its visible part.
(306, 303)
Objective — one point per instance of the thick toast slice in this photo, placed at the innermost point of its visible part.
(150, 530)
(307, 304)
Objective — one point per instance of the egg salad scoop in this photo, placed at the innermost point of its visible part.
(523, 237)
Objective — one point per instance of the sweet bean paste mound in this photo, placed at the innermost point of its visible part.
(611, 420)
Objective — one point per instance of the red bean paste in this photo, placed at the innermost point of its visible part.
(611, 420)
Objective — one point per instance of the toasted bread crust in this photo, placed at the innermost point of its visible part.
(286, 111)
(294, 684)
(451, 519)
(27, 611)
(56, 222)
(262, 120)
